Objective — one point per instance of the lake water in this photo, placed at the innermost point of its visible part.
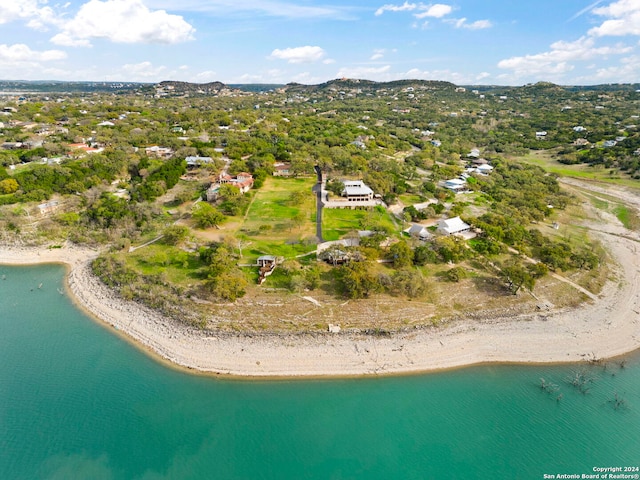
(77, 401)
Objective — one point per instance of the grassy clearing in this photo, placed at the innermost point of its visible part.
(627, 216)
(410, 199)
(274, 224)
(546, 160)
(337, 222)
(178, 267)
(272, 201)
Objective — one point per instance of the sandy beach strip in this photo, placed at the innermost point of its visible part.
(605, 328)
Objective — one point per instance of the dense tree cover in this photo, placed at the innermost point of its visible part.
(41, 181)
(159, 181)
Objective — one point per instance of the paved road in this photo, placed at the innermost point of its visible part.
(317, 189)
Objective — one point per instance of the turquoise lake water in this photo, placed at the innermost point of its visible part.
(77, 401)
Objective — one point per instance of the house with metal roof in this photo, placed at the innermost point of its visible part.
(452, 226)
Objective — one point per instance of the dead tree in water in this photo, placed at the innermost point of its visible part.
(618, 402)
(581, 380)
(547, 386)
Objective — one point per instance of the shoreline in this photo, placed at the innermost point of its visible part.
(606, 328)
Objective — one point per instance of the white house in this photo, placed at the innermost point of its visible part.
(484, 169)
(419, 231)
(356, 191)
(452, 226)
(455, 184)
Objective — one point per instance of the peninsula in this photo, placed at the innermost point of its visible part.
(349, 228)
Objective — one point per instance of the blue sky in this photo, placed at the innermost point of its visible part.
(569, 42)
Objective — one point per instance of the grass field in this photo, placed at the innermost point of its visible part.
(276, 225)
(410, 199)
(178, 266)
(546, 160)
(337, 222)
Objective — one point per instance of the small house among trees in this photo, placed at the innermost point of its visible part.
(243, 180)
(419, 231)
(456, 185)
(281, 169)
(266, 264)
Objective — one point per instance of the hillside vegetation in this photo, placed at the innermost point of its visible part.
(154, 174)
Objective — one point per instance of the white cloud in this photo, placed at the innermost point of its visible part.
(122, 21)
(143, 70)
(34, 10)
(446, 75)
(556, 61)
(627, 72)
(273, 75)
(477, 25)
(438, 10)
(378, 53)
(306, 78)
(274, 8)
(586, 9)
(305, 54)
(405, 7)
(624, 19)
(206, 76)
(21, 53)
(367, 73)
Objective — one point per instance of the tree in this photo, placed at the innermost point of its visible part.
(296, 197)
(225, 280)
(424, 254)
(517, 276)
(356, 279)
(409, 282)
(228, 285)
(206, 216)
(228, 192)
(401, 254)
(8, 185)
(175, 234)
(456, 274)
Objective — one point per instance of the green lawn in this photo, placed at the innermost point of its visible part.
(276, 226)
(337, 222)
(411, 199)
(179, 267)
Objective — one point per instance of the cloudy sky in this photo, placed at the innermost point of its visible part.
(506, 42)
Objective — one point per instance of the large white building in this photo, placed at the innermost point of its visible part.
(356, 191)
(452, 226)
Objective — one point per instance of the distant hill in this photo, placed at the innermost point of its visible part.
(337, 85)
(55, 86)
(180, 88)
(256, 87)
(344, 84)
